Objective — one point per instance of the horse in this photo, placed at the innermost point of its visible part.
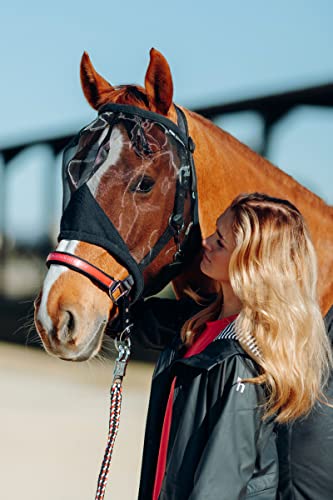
(71, 312)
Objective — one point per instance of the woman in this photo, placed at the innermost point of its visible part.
(257, 355)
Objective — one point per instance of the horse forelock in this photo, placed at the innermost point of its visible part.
(133, 95)
(125, 94)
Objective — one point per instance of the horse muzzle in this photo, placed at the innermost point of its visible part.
(71, 326)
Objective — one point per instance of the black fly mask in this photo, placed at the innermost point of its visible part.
(103, 153)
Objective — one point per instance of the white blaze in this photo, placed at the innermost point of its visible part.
(51, 277)
(117, 142)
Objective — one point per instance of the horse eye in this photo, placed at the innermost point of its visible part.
(142, 185)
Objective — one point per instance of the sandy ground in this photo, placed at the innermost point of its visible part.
(53, 427)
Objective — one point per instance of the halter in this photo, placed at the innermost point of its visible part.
(116, 289)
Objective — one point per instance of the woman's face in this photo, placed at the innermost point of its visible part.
(218, 249)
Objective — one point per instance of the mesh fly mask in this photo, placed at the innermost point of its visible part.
(104, 152)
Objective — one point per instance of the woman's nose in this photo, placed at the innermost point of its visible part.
(206, 244)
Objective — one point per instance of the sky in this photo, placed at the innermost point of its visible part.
(218, 51)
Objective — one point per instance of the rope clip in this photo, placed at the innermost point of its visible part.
(124, 351)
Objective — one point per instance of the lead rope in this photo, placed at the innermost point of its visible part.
(124, 350)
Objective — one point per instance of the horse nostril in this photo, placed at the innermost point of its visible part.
(71, 322)
(66, 327)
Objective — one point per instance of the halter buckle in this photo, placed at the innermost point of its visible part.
(122, 287)
(177, 223)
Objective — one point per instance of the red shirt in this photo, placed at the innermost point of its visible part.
(213, 328)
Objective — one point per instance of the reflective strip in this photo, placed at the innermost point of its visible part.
(229, 332)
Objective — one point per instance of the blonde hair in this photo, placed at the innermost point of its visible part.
(273, 272)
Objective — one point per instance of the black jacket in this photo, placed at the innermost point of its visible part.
(306, 449)
(219, 447)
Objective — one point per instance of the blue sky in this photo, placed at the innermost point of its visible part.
(218, 51)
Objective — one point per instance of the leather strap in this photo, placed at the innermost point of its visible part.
(115, 288)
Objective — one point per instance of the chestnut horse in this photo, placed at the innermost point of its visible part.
(71, 313)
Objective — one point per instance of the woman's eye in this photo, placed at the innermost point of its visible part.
(142, 185)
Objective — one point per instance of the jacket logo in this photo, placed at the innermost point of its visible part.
(240, 386)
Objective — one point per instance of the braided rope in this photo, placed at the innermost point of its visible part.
(115, 406)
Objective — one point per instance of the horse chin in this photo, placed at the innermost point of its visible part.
(86, 345)
(89, 348)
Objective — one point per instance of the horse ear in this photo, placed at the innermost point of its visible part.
(158, 83)
(93, 84)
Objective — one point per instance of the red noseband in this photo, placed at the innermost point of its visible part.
(115, 288)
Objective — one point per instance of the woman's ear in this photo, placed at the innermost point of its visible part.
(158, 83)
(94, 86)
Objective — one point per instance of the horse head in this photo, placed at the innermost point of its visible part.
(126, 211)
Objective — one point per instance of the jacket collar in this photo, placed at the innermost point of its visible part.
(215, 353)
